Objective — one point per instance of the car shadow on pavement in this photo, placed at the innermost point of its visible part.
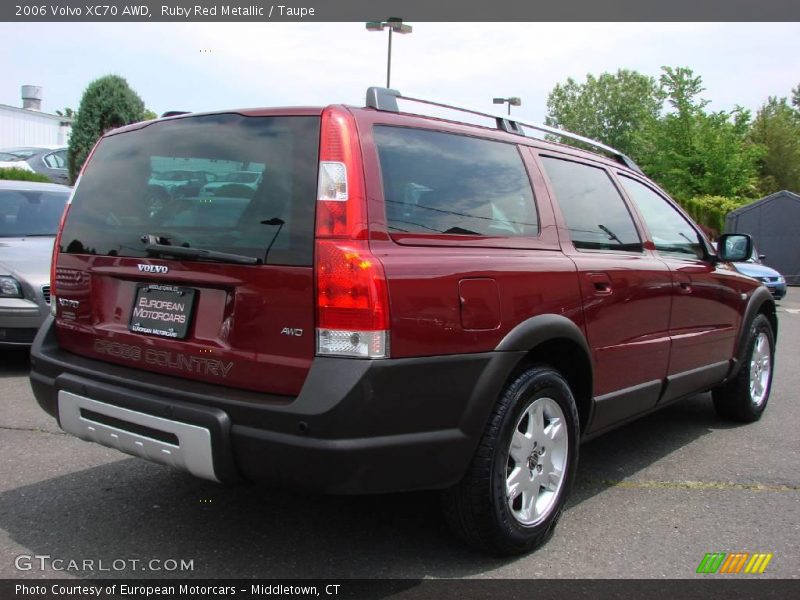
(14, 362)
(132, 509)
(624, 452)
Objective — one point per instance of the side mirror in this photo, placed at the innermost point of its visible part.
(735, 247)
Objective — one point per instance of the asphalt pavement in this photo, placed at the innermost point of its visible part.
(651, 499)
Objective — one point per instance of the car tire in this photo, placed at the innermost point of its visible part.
(745, 397)
(515, 488)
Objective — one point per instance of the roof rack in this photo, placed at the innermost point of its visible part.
(385, 99)
(174, 113)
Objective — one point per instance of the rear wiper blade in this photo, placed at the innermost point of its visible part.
(184, 252)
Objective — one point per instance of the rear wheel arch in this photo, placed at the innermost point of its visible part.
(558, 342)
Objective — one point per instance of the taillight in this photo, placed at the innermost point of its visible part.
(57, 244)
(352, 300)
(341, 201)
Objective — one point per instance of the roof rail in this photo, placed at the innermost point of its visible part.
(174, 113)
(385, 99)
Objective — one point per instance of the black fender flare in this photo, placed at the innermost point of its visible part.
(758, 299)
(542, 328)
(507, 356)
(533, 332)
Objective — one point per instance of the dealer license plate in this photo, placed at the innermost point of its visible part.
(162, 310)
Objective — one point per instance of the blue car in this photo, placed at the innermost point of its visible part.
(753, 267)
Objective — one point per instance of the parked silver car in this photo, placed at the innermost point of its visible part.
(29, 217)
(51, 162)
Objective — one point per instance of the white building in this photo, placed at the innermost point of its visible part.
(28, 126)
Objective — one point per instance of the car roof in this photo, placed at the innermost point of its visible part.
(32, 151)
(317, 110)
(33, 186)
(617, 161)
(26, 148)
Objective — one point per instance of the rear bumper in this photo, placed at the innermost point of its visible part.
(357, 426)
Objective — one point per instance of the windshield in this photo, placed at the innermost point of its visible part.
(754, 256)
(175, 176)
(242, 177)
(25, 212)
(123, 196)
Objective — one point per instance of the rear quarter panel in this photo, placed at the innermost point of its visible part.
(434, 279)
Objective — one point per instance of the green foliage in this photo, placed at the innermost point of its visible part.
(691, 152)
(777, 128)
(67, 112)
(107, 103)
(796, 97)
(613, 108)
(711, 210)
(16, 174)
(149, 115)
(694, 153)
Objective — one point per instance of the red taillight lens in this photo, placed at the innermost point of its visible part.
(351, 287)
(352, 300)
(57, 244)
(341, 202)
(54, 258)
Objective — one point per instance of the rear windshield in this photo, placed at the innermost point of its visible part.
(226, 183)
(29, 212)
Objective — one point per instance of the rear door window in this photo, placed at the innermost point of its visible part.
(225, 182)
(595, 213)
(442, 183)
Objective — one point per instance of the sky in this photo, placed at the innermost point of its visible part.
(211, 66)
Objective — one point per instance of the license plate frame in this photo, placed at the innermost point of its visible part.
(162, 310)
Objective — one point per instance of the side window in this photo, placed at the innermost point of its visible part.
(438, 183)
(671, 232)
(53, 160)
(596, 215)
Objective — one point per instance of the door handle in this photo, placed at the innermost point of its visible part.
(601, 283)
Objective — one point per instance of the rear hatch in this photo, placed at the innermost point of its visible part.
(166, 263)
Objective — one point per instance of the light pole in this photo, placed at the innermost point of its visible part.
(512, 101)
(395, 24)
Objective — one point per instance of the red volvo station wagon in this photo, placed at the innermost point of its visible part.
(400, 302)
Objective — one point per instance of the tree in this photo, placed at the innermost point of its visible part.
(107, 103)
(67, 112)
(777, 128)
(697, 153)
(149, 115)
(616, 109)
(796, 97)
